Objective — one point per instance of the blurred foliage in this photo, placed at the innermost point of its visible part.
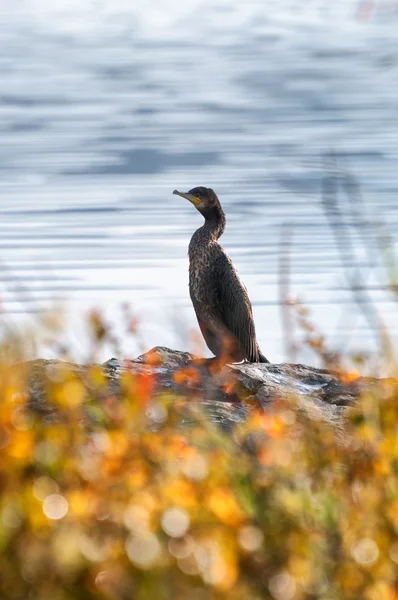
(131, 503)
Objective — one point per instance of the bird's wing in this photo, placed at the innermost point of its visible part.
(235, 306)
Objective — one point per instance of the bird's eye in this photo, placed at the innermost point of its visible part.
(197, 195)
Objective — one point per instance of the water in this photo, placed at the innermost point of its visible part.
(105, 109)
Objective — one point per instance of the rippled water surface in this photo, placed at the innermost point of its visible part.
(105, 109)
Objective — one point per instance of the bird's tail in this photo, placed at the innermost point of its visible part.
(261, 357)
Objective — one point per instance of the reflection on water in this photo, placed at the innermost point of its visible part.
(105, 110)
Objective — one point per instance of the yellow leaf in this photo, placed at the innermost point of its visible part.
(223, 504)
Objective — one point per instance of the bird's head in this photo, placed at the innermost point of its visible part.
(205, 200)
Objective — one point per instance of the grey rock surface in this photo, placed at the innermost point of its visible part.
(226, 396)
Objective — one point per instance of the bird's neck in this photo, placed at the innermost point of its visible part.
(207, 235)
(214, 225)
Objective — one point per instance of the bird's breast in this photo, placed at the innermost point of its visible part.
(201, 276)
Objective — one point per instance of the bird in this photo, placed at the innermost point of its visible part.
(219, 297)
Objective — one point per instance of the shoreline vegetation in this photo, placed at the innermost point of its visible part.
(144, 479)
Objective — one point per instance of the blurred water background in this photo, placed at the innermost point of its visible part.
(106, 107)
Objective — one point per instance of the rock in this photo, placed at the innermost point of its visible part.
(227, 396)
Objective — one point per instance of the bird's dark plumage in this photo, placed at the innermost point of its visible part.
(219, 297)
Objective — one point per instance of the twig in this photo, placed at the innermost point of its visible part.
(347, 254)
(284, 288)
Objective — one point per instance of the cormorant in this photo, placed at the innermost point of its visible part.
(219, 297)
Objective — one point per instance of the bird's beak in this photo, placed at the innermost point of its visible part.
(189, 197)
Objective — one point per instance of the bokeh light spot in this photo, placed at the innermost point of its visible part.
(250, 538)
(55, 506)
(365, 551)
(282, 586)
(181, 548)
(43, 487)
(195, 467)
(143, 550)
(175, 522)
(136, 518)
(393, 552)
(157, 413)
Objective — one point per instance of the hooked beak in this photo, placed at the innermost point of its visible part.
(189, 197)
